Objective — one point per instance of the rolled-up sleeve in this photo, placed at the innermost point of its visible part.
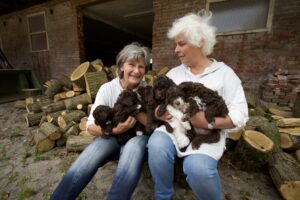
(235, 100)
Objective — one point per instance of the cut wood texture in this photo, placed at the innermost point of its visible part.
(78, 143)
(288, 122)
(65, 82)
(93, 81)
(33, 118)
(42, 142)
(236, 135)
(280, 112)
(77, 77)
(74, 116)
(50, 130)
(52, 87)
(252, 151)
(291, 131)
(53, 107)
(82, 124)
(289, 142)
(285, 173)
(71, 103)
(263, 125)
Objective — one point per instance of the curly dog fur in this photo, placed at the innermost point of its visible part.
(201, 98)
(126, 105)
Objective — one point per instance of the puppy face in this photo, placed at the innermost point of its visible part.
(145, 94)
(160, 87)
(127, 100)
(103, 115)
(176, 97)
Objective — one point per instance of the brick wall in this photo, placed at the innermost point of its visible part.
(61, 24)
(251, 55)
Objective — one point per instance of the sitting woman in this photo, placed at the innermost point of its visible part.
(132, 62)
(195, 38)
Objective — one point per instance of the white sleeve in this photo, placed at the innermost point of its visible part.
(234, 96)
(99, 100)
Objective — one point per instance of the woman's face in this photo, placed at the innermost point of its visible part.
(186, 52)
(133, 73)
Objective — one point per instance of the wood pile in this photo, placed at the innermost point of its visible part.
(282, 88)
(271, 140)
(60, 114)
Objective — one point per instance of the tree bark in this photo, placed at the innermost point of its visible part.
(51, 131)
(78, 143)
(72, 103)
(285, 173)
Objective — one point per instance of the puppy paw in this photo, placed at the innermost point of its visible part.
(183, 142)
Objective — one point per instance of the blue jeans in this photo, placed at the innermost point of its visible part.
(102, 150)
(201, 170)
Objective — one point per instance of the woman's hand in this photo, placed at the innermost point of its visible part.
(165, 117)
(124, 126)
(199, 120)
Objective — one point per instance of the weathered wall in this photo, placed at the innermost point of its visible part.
(61, 25)
(251, 55)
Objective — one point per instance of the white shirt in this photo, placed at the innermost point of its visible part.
(221, 78)
(107, 95)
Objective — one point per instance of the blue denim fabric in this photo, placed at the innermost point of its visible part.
(102, 150)
(201, 170)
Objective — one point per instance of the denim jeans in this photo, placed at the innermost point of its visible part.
(102, 150)
(201, 170)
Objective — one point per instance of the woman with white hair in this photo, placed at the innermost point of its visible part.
(132, 61)
(195, 38)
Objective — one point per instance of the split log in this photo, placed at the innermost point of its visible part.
(289, 142)
(285, 173)
(75, 116)
(77, 77)
(82, 124)
(292, 130)
(72, 93)
(65, 82)
(52, 117)
(263, 125)
(93, 81)
(72, 131)
(78, 143)
(163, 70)
(33, 119)
(236, 135)
(280, 112)
(288, 122)
(51, 131)
(34, 108)
(20, 104)
(72, 103)
(85, 133)
(53, 87)
(252, 151)
(53, 107)
(97, 61)
(42, 142)
(63, 139)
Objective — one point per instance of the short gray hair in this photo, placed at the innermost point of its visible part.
(196, 27)
(133, 51)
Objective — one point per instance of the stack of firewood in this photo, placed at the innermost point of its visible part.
(61, 113)
(270, 140)
(282, 88)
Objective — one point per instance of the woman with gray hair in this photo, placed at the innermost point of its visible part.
(132, 61)
(195, 38)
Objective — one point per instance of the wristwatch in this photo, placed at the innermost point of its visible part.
(211, 125)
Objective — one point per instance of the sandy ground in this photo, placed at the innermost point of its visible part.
(25, 174)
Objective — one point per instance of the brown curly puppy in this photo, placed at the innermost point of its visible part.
(126, 105)
(201, 98)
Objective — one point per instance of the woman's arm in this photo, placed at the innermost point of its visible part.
(199, 121)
